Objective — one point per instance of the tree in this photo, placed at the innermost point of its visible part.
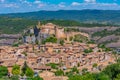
(16, 69)
(59, 73)
(62, 42)
(101, 76)
(112, 70)
(29, 72)
(53, 65)
(75, 70)
(50, 39)
(118, 77)
(71, 38)
(82, 77)
(88, 50)
(95, 65)
(78, 65)
(3, 71)
(75, 77)
(37, 78)
(24, 68)
(14, 77)
(88, 76)
(84, 70)
(101, 46)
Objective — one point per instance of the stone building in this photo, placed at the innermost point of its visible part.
(41, 32)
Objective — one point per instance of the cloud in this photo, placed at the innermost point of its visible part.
(61, 5)
(37, 1)
(1, 1)
(25, 2)
(108, 4)
(99, 6)
(75, 4)
(10, 5)
(41, 5)
(90, 1)
(35, 5)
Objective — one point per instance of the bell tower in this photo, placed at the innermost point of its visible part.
(39, 25)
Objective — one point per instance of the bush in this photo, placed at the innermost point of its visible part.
(88, 50)
(3, 71)
(53, 65)
(59, 73)
(16, 70)
(50, 39)
(62, 42)
(29, 72)
(74, 69)
(15, 77)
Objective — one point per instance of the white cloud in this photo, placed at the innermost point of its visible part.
(107, 4)
(26, 2)
(101, 6)
(12, 5)
(41, 5)
(75, 4)
(61, 5)
(37, 1)
(90, 1)
(1, 1)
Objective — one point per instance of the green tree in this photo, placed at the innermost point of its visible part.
(112, 70)
(24, 68)
(82, 77)
(75, 77)
(118, 77)
(101, 76)
(14, 77)
(16, 69)
(84, 70)
(95, 65)
(29, 72)
(50, 39)
(88, 76)
(62, 42)
(88, 50)
(53, 65)
(75, 70)
(101, 46)
(37, 78)
(71, 38)
(3, 71)
(59, 73)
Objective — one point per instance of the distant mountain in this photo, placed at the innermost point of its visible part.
(90, 16)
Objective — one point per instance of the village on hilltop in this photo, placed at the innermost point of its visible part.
(48, 49)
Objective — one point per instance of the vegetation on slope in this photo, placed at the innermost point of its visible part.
(111, 72)
(14, 25)
(106, 33)
(17, 25)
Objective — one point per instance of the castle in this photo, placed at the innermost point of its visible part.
(40, 32)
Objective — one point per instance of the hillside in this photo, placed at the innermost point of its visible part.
(101, 16)
(17, 25)
(107, 34)
(14, 25)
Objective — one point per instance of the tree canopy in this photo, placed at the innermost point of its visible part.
(3, 71)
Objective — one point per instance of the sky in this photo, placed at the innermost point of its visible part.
(15, 6)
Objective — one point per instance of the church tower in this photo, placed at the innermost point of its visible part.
(39, 25)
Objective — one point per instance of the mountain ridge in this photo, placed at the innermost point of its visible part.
(89, 16)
